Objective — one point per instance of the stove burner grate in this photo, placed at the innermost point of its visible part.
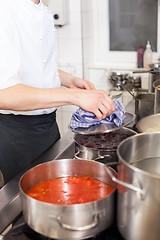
(24, 229)
(21, 231)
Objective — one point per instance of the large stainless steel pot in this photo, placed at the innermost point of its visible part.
(139, 187)
(156, 86)
(100, 153)
(75, 221)
(1, 179)
(154, 76)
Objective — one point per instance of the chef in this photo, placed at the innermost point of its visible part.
(30, 85)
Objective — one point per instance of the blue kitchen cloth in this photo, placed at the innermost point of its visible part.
(84, 119)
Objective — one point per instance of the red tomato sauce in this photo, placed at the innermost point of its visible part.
(70, 190)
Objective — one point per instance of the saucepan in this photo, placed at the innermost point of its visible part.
(144, 105)
(100, 147)
(76, 221)
(139, 186)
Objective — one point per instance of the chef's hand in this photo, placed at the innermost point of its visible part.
(86, 97)
(95, 101)
(70, 81)
(82, 84)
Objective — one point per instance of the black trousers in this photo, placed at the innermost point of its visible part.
(23, 139)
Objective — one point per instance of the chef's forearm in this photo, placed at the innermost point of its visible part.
(65, 78)
(24, 98)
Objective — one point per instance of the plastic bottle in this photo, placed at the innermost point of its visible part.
(140, 51)
(147, 56)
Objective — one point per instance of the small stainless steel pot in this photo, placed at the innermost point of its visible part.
(76, 221)
(139, 187)
(144, 105)
(100, 154)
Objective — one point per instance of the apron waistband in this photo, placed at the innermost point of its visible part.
(28, 119)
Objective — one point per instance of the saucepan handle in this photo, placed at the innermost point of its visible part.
(82, 228)
(127, 185)
(102, 157)
(97, 158)
(76, 154)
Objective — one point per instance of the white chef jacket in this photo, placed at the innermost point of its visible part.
(28, 49)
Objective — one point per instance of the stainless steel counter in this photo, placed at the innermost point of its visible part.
(10, 200)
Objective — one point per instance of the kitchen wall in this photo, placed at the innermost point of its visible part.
(76, 48)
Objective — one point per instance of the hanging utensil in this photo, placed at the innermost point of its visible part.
(127, 90)
(151, 70)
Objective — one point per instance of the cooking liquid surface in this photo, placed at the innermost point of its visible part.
(70, 190)
(106, 141)
(150, 165)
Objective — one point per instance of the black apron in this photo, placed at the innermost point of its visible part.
(24, 138)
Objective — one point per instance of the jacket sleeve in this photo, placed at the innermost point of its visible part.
(10, 60)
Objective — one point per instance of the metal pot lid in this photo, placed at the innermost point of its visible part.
(150, 123)
(105, 127)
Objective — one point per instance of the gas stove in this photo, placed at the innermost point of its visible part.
(21, 231)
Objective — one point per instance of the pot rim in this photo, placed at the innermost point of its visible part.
(142, 96)
(80, 205)
(138, 170)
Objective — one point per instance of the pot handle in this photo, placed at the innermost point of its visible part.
(76, 155)
(72, 228)
(127, 185)
(102, 157)
(97, 158)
